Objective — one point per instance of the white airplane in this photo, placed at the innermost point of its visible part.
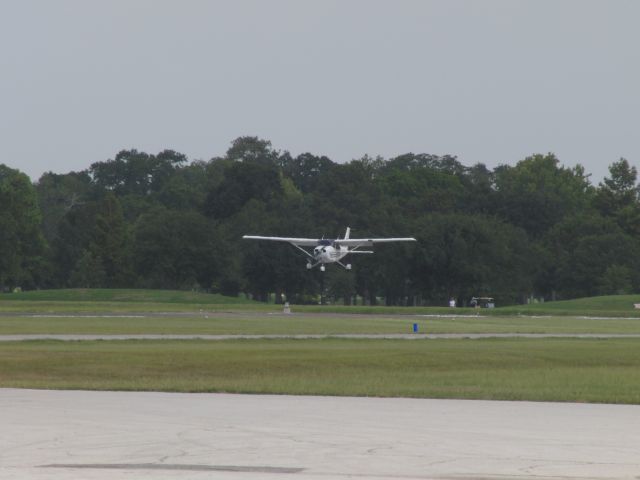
(330, 251)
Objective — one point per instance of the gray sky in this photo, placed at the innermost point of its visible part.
(488, 81)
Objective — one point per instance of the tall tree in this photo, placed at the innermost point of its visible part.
(465, 255)
(537, 227)
(579, 252)
(110, 243)
(243, 181)
(305, 170)
(21, 242)
(618, 196)
(60, 193)
(538, 192)
(252, 149)
(134, 172)
(174, 249)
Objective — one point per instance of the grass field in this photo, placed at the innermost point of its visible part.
(583, 370)
(252, 323)
(116, 295)
(611, 306)
(137, 301)
(123, 301)
(505, 369)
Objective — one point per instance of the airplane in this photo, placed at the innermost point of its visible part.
(330, 251)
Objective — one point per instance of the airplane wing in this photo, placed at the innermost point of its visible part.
(367, 242)
(305, 242)
(311, 242)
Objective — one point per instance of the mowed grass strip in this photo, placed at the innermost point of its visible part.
(141, 300)
(501, 369)
(126, 295)
(262, 323)
(98, 307)
(113, 301)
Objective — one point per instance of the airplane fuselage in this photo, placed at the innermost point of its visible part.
(329, 253)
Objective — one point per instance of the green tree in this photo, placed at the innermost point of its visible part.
(273, 267)
(21, 241)
(154, 220)
(422, 190)
(89, 272)
(175, 249)
(187, 187)
(538, 193)
(346, 195)
(596, 258)
(253, 150)
(616, 280)
(340, 285)
(58, 194)
(579, 251)
(478, 183)
(618, 196)
(134, 172)
(110, 243)
(73, 234)
(305, 170)
(243, 181)
(469, 255)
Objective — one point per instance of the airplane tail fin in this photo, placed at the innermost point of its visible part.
(346, 234)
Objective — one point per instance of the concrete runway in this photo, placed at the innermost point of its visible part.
(121, 435)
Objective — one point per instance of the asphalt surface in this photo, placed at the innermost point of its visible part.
(132, 435)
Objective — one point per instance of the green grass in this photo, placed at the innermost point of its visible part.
(133, 301)
(262, 323)
(583, 370)
(124, 295)
(122, 301)
(613, 305)
(500, 369)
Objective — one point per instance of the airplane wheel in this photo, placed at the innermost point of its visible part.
(309, 266)
(322, 268)
(348, 266)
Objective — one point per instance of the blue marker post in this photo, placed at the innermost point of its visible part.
(415, 328)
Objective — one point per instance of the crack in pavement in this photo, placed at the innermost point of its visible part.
(175, 466)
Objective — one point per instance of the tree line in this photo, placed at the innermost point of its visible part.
(535, 229)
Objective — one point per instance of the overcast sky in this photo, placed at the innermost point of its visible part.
(487, 81)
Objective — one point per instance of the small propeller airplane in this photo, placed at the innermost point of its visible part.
(330, 251)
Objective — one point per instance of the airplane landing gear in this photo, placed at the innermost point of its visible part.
(309, 266)
(322, 268)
